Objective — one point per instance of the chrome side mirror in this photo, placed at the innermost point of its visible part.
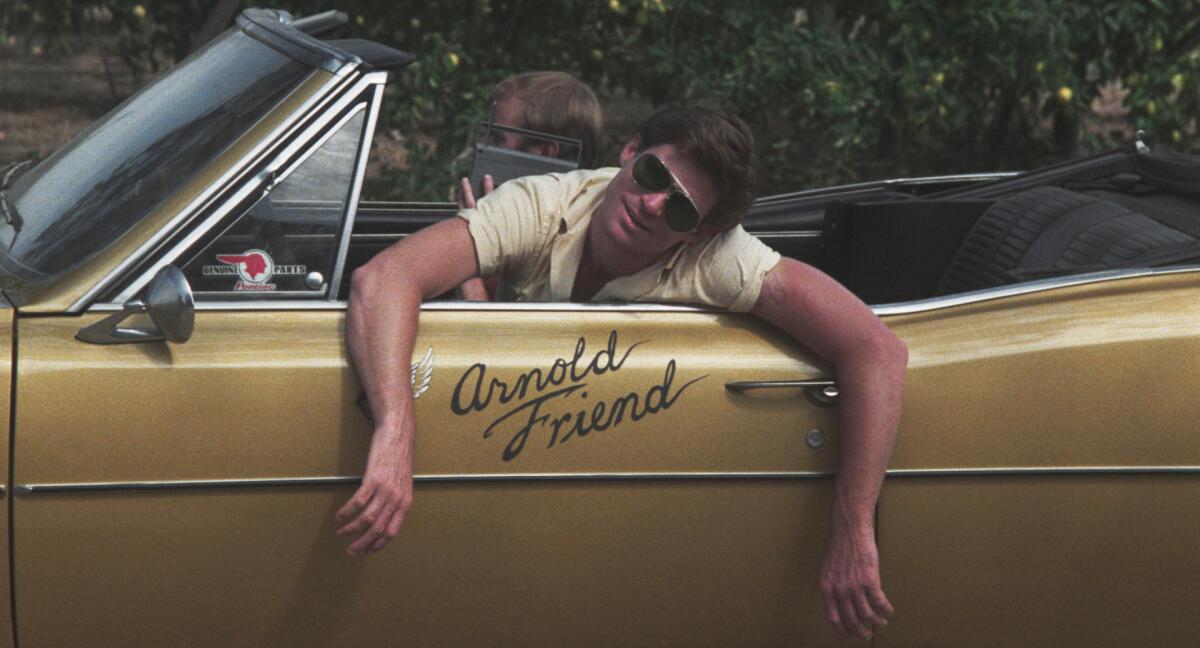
(169, 305)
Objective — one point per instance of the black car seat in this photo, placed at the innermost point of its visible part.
(1050, 231)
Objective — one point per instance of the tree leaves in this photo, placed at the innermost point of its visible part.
(835, 92)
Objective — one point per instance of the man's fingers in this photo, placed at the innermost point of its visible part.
(391, 530)
(365, 520)
(867, 613)
(880, 603)
(355, 504)
(379, 522)
(488, 184)
(393, 527)
(850, 621)
(466, 197)
(370, 534)
(831, 609)
(388, 527)
(363, 543)
(376, 534)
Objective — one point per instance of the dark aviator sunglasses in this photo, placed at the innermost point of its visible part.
(651, 173)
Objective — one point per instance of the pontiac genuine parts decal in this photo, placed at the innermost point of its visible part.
(254, 269)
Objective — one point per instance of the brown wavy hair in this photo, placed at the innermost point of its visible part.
(559, 104)
(722, 144)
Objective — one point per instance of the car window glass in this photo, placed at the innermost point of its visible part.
(287, 242)
(111, 176)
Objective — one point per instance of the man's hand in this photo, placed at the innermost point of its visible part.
(381, 327)
(377, 509)
(466, 197)
(854, 598)
(473, 289)
(869, 362)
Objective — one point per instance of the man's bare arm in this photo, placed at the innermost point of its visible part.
(869, 362)
(381, 326)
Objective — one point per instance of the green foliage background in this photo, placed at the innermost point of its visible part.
(835, 91)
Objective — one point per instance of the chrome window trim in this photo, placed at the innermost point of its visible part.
(379, 237)
(236, 170)
(346, 71)
(276, 295)
(771, 235)
(32, 489)
(351, 95)
(323, 305)
(1030, 287)
(882, 310)
(892, 182)
(348, 480)
(788, 235)
(360, 171)
(1033, 471)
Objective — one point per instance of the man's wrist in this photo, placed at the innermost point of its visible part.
(388, 428)
(855, 519)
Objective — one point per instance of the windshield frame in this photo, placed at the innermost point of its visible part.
(283, 117)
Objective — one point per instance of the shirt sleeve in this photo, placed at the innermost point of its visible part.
(511, 223)
(733, 267)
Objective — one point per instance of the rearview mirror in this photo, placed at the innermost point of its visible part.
(168, 304)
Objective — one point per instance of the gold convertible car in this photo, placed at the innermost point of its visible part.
(183, 420)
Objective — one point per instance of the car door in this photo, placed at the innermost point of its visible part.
(590, 480)
(185, 494)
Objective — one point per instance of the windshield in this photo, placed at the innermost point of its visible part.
(85, 196)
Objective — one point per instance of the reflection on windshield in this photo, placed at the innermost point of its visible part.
(117, 171)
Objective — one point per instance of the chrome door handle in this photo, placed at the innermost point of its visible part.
(823, 392)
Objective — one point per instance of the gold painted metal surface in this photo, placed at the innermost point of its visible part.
(183, 408)
(63, 292)
(1100, 375)
(508, 565)
(269, 394)
(6, 345)
(1003, 562)
(1089, 376)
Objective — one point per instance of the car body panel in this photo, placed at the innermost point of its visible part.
(1073, 377)
(7, 322)
(536, 564)
(182, 408)
(166, 423)
(1041, 560)
(497, 525)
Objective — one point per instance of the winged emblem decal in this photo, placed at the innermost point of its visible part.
(422, 373)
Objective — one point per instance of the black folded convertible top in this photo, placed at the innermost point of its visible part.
(276, 29)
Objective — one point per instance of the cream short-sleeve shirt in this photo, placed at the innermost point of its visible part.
(530, 232)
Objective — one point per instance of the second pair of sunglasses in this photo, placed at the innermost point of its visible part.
(652, 174)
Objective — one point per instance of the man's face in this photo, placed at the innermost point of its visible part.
(510, 112)
(632, 217)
